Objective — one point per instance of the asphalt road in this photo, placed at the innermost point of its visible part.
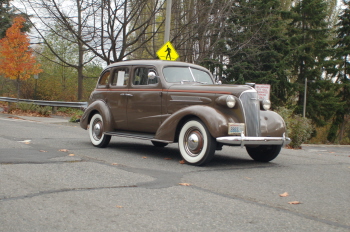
(53, 179)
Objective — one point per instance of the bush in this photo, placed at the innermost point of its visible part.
(30, 108)
(299, 129)
(44, 110)
(27, 107)
(76, 116)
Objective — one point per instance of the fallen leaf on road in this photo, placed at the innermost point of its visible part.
(284, 194)
(71, 155)
(25, 141)
(63, 150)
(182, 161)
(114, 164)
(42, 151)
(294, 202)
(185, 184)
(167, 158)
(119, 206)
(248, 178)
(16, 118)
(144, 157)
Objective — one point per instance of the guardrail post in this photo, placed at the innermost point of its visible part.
(9, 106)
(54, 109)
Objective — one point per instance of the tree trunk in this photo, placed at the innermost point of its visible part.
(18, 88)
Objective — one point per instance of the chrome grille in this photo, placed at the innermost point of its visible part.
(251, 110)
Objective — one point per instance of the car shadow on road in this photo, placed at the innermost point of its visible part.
(171, 153)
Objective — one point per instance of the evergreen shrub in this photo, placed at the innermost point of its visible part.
(299, 129)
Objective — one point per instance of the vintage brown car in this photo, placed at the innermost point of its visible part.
(176, 102)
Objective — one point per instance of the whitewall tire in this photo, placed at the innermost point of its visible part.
(98, 139)
(196, 144)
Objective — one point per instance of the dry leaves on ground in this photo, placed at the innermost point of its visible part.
(185, 184)
(63, 150)
(285, 194)
(294, 202)
(25, 141)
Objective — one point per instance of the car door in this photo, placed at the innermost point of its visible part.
(144, 107)
(117, 96)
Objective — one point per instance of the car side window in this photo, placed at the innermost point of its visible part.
(104, 78)
(141, 76)
(120, 77)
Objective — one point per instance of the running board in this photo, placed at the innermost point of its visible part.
(136, 135)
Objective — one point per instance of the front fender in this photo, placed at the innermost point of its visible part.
(215, 121)
(272, 124)
(100, 107)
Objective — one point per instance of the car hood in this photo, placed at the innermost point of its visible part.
(235, 90)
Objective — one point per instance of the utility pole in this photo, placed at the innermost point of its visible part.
(167, 21)
(305, 90)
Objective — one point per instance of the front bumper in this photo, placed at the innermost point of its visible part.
(242, 140)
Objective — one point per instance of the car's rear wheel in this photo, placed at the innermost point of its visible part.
(263, 153)
(97, 137)
(159, 144)
(196, 144)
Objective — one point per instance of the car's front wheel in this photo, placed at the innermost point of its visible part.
(97, 137)
(196, 144)
(263, 153)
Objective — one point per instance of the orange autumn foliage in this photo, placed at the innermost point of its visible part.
(16, 57)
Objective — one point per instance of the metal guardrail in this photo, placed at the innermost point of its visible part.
(47, 103)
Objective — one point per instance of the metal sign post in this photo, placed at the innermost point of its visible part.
(167, 21)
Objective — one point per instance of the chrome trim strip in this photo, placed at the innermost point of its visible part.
(243, 140)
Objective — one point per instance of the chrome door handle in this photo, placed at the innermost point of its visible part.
(126, 94)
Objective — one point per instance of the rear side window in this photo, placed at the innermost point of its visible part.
(120, 77)
(104, 78)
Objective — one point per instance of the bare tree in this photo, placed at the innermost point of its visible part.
(104, 29)
(68, 21)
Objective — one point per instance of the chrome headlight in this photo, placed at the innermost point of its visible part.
(265, 104)
(230, 101)
(226, 100)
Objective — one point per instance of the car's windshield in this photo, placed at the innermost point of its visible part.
(186, 74)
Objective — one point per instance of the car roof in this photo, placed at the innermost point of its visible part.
(157, 63)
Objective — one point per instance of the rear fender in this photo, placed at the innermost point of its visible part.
(100, 107)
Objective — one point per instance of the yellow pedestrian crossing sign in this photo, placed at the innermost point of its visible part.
(167, 52)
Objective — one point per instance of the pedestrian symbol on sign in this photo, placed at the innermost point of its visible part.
(167, 52)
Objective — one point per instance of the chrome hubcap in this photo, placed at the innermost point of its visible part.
(193, 142)
(96, 130)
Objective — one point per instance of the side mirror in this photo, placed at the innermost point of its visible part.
(151, 75)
